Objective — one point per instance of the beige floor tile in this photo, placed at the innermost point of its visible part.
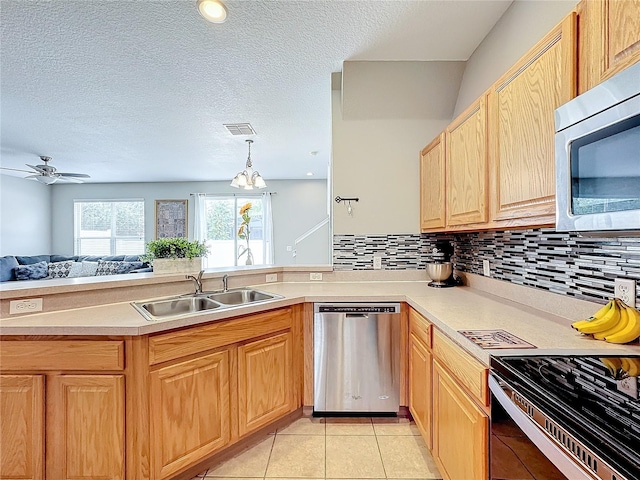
(349, 426)
(251, 463)
(395, 426)
(297, 456)
(406, 457)
(353, 457)
(304, 426)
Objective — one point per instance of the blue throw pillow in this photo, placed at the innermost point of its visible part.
(126, 267)
(7, 266)
(31, 259)
(35, 271)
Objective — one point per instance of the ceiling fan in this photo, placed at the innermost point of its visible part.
(47, 174)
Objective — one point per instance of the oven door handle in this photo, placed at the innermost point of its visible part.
(552, 451)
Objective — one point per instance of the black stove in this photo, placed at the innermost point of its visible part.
(594, 399)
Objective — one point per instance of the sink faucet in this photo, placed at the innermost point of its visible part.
(197, 280)
(225, 280)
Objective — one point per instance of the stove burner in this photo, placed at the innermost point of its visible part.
(495, 339)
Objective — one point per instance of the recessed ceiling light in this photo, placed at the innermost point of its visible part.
(309, 174)
(212, 10)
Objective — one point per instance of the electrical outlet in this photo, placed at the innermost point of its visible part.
(628, 386)
(486, 269)
(315, 276)
(271, 277)
(625, 290)
(289, 248)
(377, 262)
(21, 307)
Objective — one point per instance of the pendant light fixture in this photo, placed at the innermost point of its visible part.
(248, 178)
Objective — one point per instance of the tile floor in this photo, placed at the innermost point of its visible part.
(336, 448)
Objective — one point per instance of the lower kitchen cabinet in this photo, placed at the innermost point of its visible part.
(22, 432)
(190, 412)
(85, 427)
(420, 361)
(264, 381)
(80, 419)
(460, 430)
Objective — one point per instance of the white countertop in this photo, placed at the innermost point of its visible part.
(450, 309)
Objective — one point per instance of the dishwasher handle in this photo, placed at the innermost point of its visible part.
(357, 315)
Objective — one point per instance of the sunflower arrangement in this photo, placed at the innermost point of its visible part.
(244, 232)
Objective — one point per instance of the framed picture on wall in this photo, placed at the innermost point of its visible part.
(171, 218)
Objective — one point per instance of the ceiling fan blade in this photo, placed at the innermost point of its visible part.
(37, 168)
(77, 175)
(70, 179)
(16, 169)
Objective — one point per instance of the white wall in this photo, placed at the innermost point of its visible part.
(25, 217)
(519, 29)
(297, 206)
(378, 161)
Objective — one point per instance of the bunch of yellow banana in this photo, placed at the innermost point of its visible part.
(616, 322)
(622, 367)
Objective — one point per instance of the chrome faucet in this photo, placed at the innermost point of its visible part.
(225, 280)
(197, 280)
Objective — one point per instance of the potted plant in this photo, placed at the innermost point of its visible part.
(175, 255)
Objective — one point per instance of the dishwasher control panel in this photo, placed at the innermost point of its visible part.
(357, 308)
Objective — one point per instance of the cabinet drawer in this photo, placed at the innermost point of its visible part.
(62, 355)
(420, 327)
(172, 345)
(469, 372)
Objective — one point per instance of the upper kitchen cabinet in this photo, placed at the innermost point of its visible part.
(432, 184)
(521, 115)
(609, 39)
(466, 167)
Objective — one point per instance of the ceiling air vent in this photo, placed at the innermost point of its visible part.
(240, 128)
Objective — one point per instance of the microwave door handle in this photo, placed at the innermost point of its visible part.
(555, 455)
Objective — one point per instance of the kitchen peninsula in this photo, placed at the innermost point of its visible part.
(102, 378)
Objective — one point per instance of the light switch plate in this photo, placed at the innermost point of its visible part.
(628, 386)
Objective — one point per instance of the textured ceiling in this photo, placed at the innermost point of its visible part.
(139, 90)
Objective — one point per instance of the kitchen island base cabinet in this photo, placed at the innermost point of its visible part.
(460, 430)
(189, 412)
(85, 427)
(264, 381)
(22, 432)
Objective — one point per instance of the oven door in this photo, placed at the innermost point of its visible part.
(519, 449)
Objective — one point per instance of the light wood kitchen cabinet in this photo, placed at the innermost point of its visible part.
(609, 39)
(22, 432)
(190, 411)
(467, 179)
(85, 427)
(521, 115)
(264, 381)
(420, 361)
(460, 430)
(432, 185)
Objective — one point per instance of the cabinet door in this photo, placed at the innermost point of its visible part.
(420, 387)
(466, 166)
(21, 427)
(460, 430)
(264, 381)
(85, 427)
(432, 184)
(522, 105)
(190, 412)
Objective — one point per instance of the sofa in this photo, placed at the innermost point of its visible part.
(36, 267)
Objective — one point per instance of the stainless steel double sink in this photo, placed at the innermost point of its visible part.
(186, 305)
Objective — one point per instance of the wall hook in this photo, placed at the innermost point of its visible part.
(348, 202)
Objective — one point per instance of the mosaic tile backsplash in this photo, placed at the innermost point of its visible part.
(542, 258)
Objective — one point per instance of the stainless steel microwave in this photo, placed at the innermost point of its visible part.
(597, 146)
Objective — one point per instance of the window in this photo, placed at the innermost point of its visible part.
(108, 227)
(222, 220)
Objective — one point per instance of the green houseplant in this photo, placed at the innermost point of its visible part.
(175, 255)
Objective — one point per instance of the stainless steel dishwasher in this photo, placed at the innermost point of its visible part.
(356, 349)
